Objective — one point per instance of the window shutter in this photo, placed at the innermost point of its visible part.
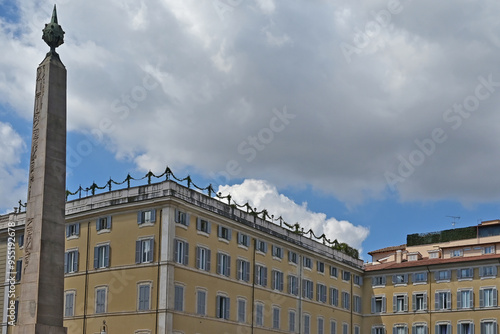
(405, 306)
(471, 299)
(106, 256)
(494, 272)
(66, 262)
(77, 228)
(383, 280)
(374, 282)
(384, 304)
(186, 254)
(471, 328)
(176, 218)
(229, 235)
(209, 252)
(414, 302)
(481, 298)
(393, 331)
(425, 276)
(425, 329)
(188, 218)
(448, 328)
(151, 249)
(318, 298)
(265, 246)
(219, 231)
(264, 274)
(67, 231)
(139, 218)
(198, 224)
(393, 279)
(96, 257)
(153, 215)
(414, 329)
(75, 261)
(448, 300)
(459, 273)
(108, 223)
(405, 278)
(281, 283)
(138, 252)
(459, 299)
(494, 292)
(460, 329)
(394, 303)
(437, 329)
(228, 269)
(198, 260)
(209, 227)
(373, 304)
(436, 299)
(425, 301)
(219, 265)
(226, 311)
(97, 227)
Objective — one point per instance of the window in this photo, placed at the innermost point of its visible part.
(378, 304)
(380, 330)
(378, 281)
(277, 252)
(243, 268)
(242, 310)
(321, 325)
(356, 304)
(419, 302)
(465, 298)
(358, 280)
(443, 275)
(181, 252)
(346, 299)
(179, 298)
(259, 314)
(333, 271)
(203, 256)
(400, 279)
(419, 329)
(144, 292)
(488, 327)
(277, 280)
(203, 225)
(320, 266)
(346, 276)
(276, 317)
(260, 275)
(71, 261)
(345, 328)
(243, 239)
(333, 327)
(488, 297)
(321, 293)
(181, 217)
(19, 269)
(103, 223)
(334, 297)
(488, 250)
(457, 253)
(222, 309)
(443, 300)
(72, 230)
(101, 256)
(144, 250)
(223, 264)
(307, 262)
(20, 240)
(16, 309)
(100, 300)
(307, 324)
(261, 246)
(465, 273)
(292, 257)
(443, 328)
(201, 302)
(356, 329)
(420, 277)
(69, 304)
(291, 321)
(307, 288)
(400, 303)
(293, 285)
(146, 217)
(400, 329)
(488, 271)
(465, 328)
(224, 232)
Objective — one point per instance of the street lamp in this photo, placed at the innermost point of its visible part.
(104, 329)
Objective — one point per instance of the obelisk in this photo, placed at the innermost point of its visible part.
(42, 282)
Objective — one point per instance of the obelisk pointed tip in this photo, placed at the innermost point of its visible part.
(53, 34)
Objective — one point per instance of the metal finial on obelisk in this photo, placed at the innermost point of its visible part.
(53, 34)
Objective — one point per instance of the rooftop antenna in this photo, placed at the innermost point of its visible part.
(454, 220)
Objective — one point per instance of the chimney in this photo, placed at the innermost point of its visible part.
(399, 256)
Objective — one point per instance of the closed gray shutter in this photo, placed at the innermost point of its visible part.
(138, 251)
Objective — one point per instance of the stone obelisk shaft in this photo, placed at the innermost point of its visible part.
(42, 283)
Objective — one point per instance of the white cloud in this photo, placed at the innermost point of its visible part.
(12, 177)
(262, 195)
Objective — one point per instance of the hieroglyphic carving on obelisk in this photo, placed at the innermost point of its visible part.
(42, 282)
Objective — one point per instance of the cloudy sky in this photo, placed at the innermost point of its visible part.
(366, 120)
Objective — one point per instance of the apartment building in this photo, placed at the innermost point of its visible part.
(163, 258)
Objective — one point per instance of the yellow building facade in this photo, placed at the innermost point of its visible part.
(163, 258)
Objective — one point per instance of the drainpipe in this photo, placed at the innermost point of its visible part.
(86, 280)
(301, 259)
(253, 284)
(158, 254)
(429, 304)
